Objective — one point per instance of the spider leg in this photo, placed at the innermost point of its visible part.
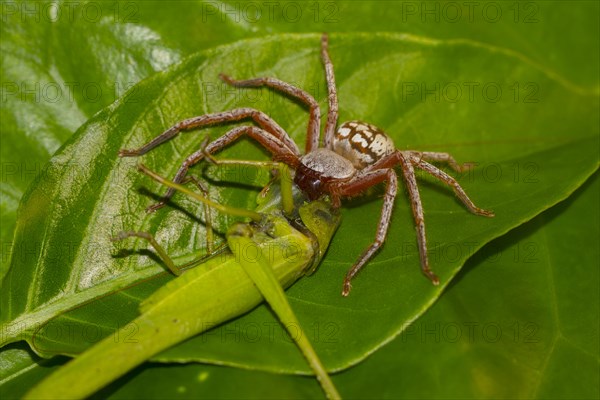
(406, 161)
(272, 144)
(442, 158)
(447, 179)
(261, 119)
(313, 128)
(332, 112)
(357, 185)
(418, 214)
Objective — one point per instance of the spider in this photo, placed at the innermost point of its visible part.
(352, 159)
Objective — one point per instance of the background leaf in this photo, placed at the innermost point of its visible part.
(543, 31)
(21, 369)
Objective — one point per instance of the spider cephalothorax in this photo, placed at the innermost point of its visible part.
(320, 168)
(354, 158)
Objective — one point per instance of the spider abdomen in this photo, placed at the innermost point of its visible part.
(362, 143)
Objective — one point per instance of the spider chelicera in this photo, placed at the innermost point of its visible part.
(355, 157)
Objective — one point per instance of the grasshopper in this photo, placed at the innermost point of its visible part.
(190, 304)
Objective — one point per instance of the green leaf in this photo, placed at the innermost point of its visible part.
(22, 369)
(531, 156)
(48, 90)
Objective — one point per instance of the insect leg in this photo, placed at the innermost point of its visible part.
(332, 112)
(159, 249)
(284, 176)
(207, 216)
(260, 270)
(209, 234)
(357, 186)
(220, 207)
(313, 128)
(271, 143)
(447, 179)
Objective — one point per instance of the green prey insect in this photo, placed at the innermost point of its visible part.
(217, 290)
